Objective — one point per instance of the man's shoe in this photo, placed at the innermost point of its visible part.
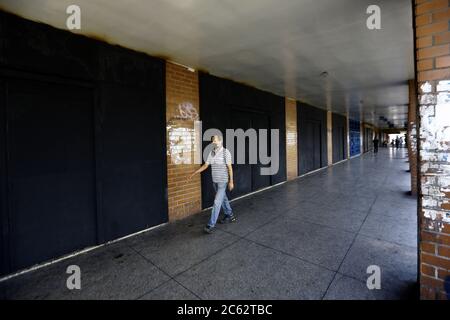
(209, 229)
(228, 219)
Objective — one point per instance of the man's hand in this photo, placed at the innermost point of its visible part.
(230, 185)
(200, 170)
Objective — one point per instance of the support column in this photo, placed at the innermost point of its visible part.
(412, 136)
(347, 123)
(182, 110)
(362, 133)
(291, 138)
(433, 75)
(330, 137)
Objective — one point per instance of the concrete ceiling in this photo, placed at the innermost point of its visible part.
(282, 46)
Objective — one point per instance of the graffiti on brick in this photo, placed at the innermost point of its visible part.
(435, 153)
(181, 134)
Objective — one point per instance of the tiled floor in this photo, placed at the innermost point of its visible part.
(312, 238)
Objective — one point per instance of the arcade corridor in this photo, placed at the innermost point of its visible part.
(310, 238)
(107, 114)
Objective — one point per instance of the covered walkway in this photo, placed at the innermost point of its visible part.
(310, 238)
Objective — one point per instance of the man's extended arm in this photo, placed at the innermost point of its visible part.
(199, 170)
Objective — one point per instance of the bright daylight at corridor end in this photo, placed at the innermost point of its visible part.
(253, 150)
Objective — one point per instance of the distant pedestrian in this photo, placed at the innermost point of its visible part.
(222, 175)
(397, 143)
(375, 145)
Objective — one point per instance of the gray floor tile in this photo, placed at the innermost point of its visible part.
(176, 247)
(395, 204)
(249, 271)
(111, 272)
(341, 218)
(398, 264)
(248, 222)
(345, 288)
(170, 290)
(350, 202)
(318, 244)
(395, 229)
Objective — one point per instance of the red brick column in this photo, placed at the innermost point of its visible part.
(182, 109)
(330, 137)
(433, 76)
(291, 138)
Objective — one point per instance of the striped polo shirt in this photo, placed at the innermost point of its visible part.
(218, 161)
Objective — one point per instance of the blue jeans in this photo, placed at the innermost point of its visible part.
(220, 200)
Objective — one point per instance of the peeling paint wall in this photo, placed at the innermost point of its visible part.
(433, 50)
(435, 152)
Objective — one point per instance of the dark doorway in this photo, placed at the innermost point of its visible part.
(340, 138)
(313, 145)
(260, 121)
(248, 176)
(312, 138)
(242, 172)
(50, 170)
(82, 143)
(368, 136)
(131, 166)
(339, 130)
(229, 105)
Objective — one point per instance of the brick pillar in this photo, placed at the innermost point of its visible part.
(433, 76)
(330, 137)
(291, 138)
(412, 136)
(182, 109)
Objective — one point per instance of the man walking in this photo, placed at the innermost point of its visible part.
(222, 175)
(397, 142)
(375, 144)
